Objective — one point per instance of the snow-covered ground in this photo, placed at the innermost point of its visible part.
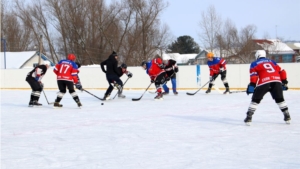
(180, 132)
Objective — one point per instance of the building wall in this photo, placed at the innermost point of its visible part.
(31, 61)
(94, 78)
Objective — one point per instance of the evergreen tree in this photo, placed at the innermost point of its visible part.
(184, 45)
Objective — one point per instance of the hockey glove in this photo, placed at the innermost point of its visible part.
(152, 79)
(129, 74)
(212, 78)
(284, 84)
(250, 88)
(78, 86)
(221, 70)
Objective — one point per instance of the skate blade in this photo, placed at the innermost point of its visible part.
(158, 99)
(288, 122)
(248, 123)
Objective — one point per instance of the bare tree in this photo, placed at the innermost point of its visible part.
(210, 26)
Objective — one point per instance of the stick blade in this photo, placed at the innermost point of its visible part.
(191, 94)
(137, 99)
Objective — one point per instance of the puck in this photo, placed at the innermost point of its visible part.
(102, 103)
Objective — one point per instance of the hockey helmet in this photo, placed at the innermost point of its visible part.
(71, 57)
(260, 54)
(123, 65)
(46, 62)
(210, 55)
(143, 63)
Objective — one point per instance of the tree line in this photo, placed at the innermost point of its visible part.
(91, 29)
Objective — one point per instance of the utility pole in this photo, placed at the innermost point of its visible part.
(4, 48)
(40, 49)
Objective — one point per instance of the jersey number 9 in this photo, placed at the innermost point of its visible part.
(269, 67)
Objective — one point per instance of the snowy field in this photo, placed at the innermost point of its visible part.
(180, 132)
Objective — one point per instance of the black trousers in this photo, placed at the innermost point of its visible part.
(111, 79)
(160, 79)
(275, 89)
(63, 85)
(35, 85)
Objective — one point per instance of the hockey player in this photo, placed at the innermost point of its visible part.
(122, 70)
(216, 66)
(113, 74)
(266, 76)
(155, 69)
(34, 78)
(171, 69)
(66, 71)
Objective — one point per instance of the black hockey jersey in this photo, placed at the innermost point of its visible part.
(38, 72)
(171, 68)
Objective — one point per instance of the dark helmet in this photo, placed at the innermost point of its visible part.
(78, 64)
(123, 65)
(143, 63)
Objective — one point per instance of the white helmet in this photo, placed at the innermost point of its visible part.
(260, 54)
(46, 62)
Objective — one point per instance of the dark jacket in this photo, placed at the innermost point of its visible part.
(111, 65)
(171, 68)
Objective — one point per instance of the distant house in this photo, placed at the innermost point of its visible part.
(181, 59)
(277, 50)
(19, 60)
(200, 59)
(294, 46)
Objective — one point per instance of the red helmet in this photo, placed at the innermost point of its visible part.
(71, 57)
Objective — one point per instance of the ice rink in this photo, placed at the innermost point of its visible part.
(180, 132)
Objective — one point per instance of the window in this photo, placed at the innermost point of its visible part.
(288, 58)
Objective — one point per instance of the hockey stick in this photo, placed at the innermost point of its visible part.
(198, 89)
(137, 99)
(123, 86)
(237, 91)
(93, 95)
(47, 99)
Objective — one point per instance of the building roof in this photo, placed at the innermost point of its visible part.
(274, 46)
(15, 60)
(295, 46)
(180, 58)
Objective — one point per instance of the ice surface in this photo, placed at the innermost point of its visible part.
(180, 132)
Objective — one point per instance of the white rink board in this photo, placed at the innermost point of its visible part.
(94, 78)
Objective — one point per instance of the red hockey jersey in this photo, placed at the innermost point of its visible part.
(155, 68)
(264, 71)
(215, 65)
(66, 70)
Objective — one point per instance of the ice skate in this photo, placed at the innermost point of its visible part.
(248, 119)
(175, 93)
(165, 93)
(30, 104)
(120, 95)
(106, 97)
(227, 91)
(79, 104)
(287, 117)
(159, 96)
(208, 90)
(36, 104)
(57, 105)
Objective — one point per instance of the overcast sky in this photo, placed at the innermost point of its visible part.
(281, 17)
